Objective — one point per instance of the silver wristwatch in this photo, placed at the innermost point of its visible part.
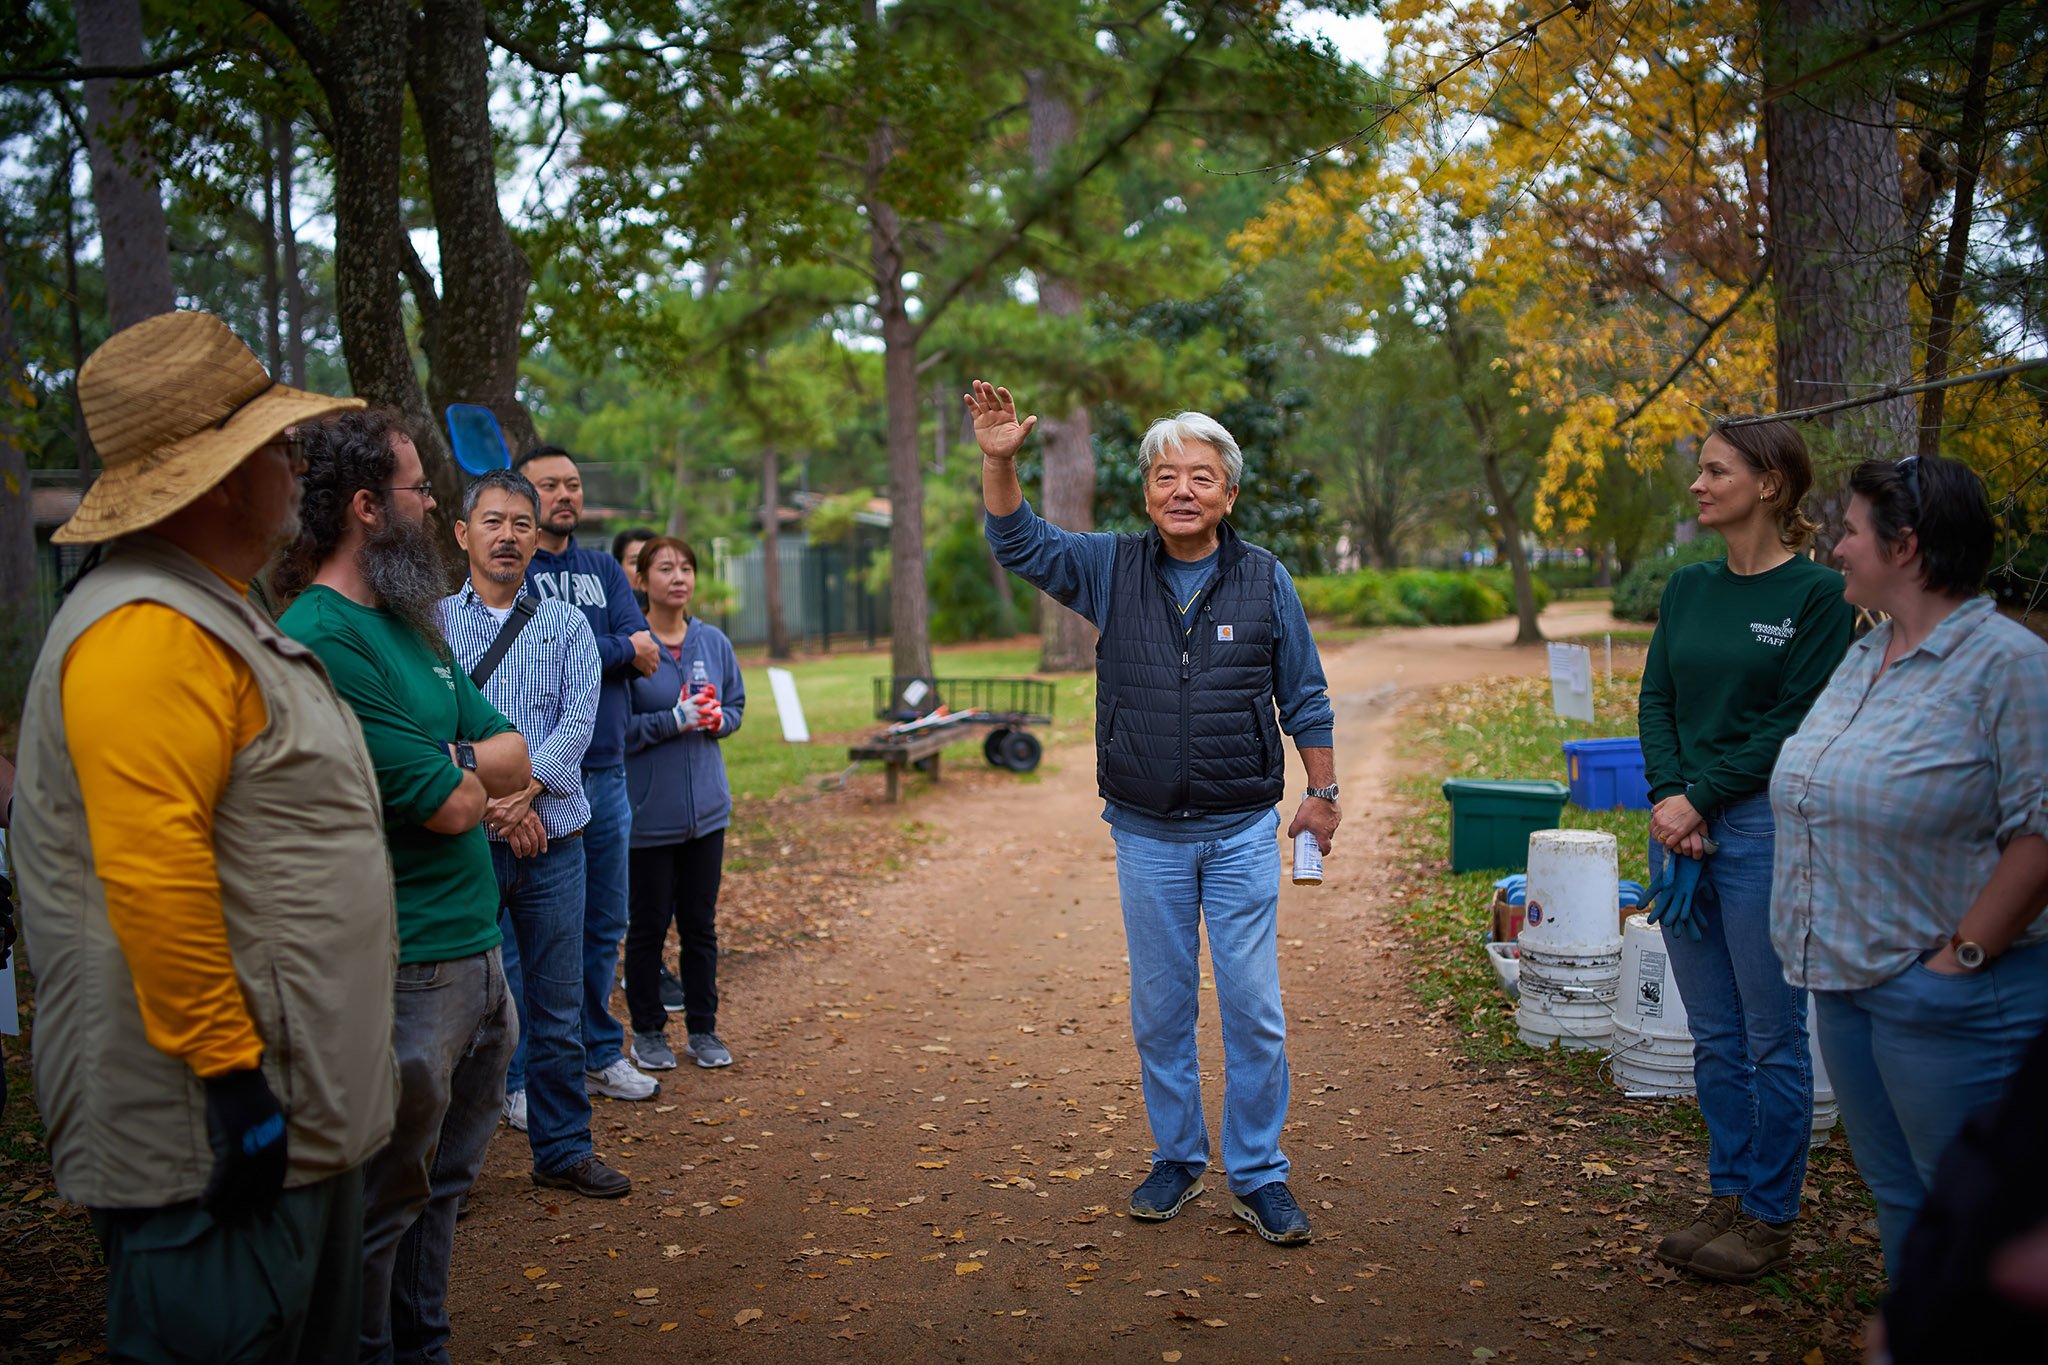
(1328, 793)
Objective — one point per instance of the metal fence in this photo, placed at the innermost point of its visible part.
(823, 591)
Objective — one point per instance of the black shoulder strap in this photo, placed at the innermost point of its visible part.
(522, 611)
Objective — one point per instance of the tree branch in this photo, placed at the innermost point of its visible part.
(1719, 321)
(66, 74)
(1871, 46)
(1885, 393)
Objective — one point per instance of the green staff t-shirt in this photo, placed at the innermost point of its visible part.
(1735, 664)
(410, 705)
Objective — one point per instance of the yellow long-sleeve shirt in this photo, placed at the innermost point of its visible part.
(156, 708)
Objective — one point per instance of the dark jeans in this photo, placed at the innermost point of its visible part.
(604, 921)
(543, 915)
(453, 1030)
(283, 1285)
(675, 882)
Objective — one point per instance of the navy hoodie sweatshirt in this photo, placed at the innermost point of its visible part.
(676, 777)
(593, 583)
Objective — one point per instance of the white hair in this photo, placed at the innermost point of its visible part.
(1171, 432)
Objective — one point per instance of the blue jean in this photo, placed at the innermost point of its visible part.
(1749, 1044)
(604, 922)
(453, 1031)
(542, 899)
(1913, 1057)
(1169, 891)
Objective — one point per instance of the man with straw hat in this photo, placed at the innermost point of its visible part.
(196, 816)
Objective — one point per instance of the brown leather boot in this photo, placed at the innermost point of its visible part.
(1717, 1217)
(1748, 1251)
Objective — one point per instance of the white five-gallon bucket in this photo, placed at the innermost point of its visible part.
(1825, 1110)
(1652, 1044)
(1573, 895)
(1570, 943)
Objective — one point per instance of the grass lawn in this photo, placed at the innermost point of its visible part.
(837, 692)
(1504, 728)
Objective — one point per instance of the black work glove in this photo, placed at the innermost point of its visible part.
(246, 1126)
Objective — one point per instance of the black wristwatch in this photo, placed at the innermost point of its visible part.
(1328, 793)
(465, 754)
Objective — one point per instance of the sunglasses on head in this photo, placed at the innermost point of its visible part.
(1909, 470)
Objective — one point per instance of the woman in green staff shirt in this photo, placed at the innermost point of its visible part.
(1743, 646)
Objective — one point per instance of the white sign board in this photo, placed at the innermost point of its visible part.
(783, 684)
(1571, 681)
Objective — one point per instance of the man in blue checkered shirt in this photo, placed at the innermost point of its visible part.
(545, 680)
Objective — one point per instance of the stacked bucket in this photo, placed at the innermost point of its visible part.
(1570, 944)
(1652, 1041)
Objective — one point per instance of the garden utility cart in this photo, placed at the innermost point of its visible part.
(927, 714)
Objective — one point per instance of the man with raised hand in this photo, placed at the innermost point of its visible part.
(197, 838)
(365, 582)
(536, 662)
(592, 582)
(1202, 636)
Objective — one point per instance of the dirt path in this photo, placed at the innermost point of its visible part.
(926, 1148)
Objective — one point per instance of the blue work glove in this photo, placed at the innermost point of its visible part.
(245, 1124)
(1672, 894)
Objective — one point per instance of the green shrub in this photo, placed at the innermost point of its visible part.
(1642, 588)
(1502, 580)
(1412, 597)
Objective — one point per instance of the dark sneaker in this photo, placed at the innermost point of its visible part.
(671, 991)
(589, 1177)
(707, 1051)
(651, 1052)
(1273, 1214)
(1748, 1251)
(1164, 1192)
(1678, 1248)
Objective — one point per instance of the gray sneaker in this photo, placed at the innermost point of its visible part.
(707, 1051)
(651, 1052)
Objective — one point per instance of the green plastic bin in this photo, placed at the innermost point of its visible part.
(1491, 821)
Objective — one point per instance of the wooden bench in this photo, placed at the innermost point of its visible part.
(900, 752)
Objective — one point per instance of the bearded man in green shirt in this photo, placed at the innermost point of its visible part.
(369, 582)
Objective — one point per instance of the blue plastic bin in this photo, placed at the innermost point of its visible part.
(1607, 774)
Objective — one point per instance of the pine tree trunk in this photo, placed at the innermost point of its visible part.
(1841, 262)
(365, 84)
(1067, 639)
(135, 244)
(294, 282)
(476, 347)
(273, 294)
(20, 612)
(771, 550)
(1941, 320)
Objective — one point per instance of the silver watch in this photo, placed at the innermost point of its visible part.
(1328, 793)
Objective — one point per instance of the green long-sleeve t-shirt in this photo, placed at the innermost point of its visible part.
(1736, 662)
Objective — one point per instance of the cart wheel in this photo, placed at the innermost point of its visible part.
(1021, 751)
(928, 764)
(992, 747)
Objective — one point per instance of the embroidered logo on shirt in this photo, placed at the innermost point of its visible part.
(1226, 632)
(1777, 636)
(446, 675)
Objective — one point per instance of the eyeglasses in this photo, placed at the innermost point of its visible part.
(294, 447)
(1909, 470)
(425, 490)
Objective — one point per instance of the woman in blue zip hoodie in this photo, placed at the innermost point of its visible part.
(675, 777)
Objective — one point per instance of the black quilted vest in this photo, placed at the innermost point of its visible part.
(1184, 721)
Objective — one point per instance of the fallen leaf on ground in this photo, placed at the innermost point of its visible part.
(745, 1316)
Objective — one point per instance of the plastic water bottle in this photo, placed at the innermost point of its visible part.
(1308, 860)
(700, 679)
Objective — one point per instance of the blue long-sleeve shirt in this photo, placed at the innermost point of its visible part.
(1075, 567)
(593, 583)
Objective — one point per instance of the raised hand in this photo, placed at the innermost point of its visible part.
(996, 428)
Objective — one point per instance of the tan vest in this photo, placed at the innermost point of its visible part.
(305, 890)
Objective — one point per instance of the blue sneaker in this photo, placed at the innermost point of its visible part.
(1273, 1214)
(1165, 1192)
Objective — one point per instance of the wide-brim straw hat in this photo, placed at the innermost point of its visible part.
(173, 404)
